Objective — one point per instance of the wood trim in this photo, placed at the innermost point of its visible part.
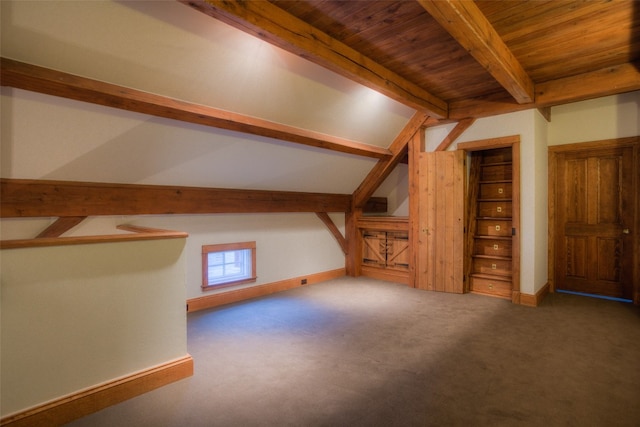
(552, 174)
(326, 219)
(270, 23)
(589, 145)
(466, 23)
(43, 80)
(36, 198)
(455, 133)
(383, 168)
(221, 247)
(83, 403)
(228, 297)
(515, 219)
(61, 226)
(534, 300)
(384, 223)
(387, 274)
(489, 143)
(151, 234)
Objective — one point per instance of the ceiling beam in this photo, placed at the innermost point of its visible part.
(472, 30)
(61, 226)
(43, 80)
(606, 81)
(383, 168)
(455, 133)
(38, 198)
(272, 24)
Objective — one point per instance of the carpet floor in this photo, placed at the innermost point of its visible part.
(361, 352)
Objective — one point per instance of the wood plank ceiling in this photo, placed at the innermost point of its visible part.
(458, 59)
(449, 60)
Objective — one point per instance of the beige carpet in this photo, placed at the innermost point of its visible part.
(358, 352)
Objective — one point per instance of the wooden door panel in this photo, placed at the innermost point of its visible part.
(608, 189)
(575, 192)
(373, 248)
(576, 257)
(608, 254)
(440, 264)
(595, 203)
(398, 251)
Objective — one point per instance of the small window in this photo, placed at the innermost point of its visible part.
(228, 264)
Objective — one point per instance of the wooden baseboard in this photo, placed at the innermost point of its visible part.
(534, 300)
(78, 405)
(222, 298)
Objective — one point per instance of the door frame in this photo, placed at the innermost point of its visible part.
(553, 152)
(488, 144)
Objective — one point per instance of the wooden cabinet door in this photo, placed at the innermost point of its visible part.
(398, 250)
(595, 195)
(440, 263)
(374, 248)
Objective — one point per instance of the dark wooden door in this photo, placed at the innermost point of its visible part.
(595, 193)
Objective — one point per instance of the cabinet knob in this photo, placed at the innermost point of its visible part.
(626, 231)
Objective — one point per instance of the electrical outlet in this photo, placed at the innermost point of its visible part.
(303, 282)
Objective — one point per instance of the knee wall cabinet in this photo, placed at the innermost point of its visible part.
(385, 248)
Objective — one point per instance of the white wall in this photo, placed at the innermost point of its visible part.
(610, 117)
(396, 189)
(287, 245)
(73, 317)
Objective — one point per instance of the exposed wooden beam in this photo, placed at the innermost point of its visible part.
(36, 198)
(491, 105)
(38, 79)
(60, 226)
(326, 219)
(603, 82)
(268, 22)
(383, 168)
(473, 31)
(137, 235)
(462, 125)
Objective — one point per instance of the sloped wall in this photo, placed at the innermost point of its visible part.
(73, 317)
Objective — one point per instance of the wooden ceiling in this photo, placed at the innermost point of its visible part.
(457, 59)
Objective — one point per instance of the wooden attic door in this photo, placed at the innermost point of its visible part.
(595, 199)
(441, 184)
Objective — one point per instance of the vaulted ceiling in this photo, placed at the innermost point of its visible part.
(353, 77)
(457, 59)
